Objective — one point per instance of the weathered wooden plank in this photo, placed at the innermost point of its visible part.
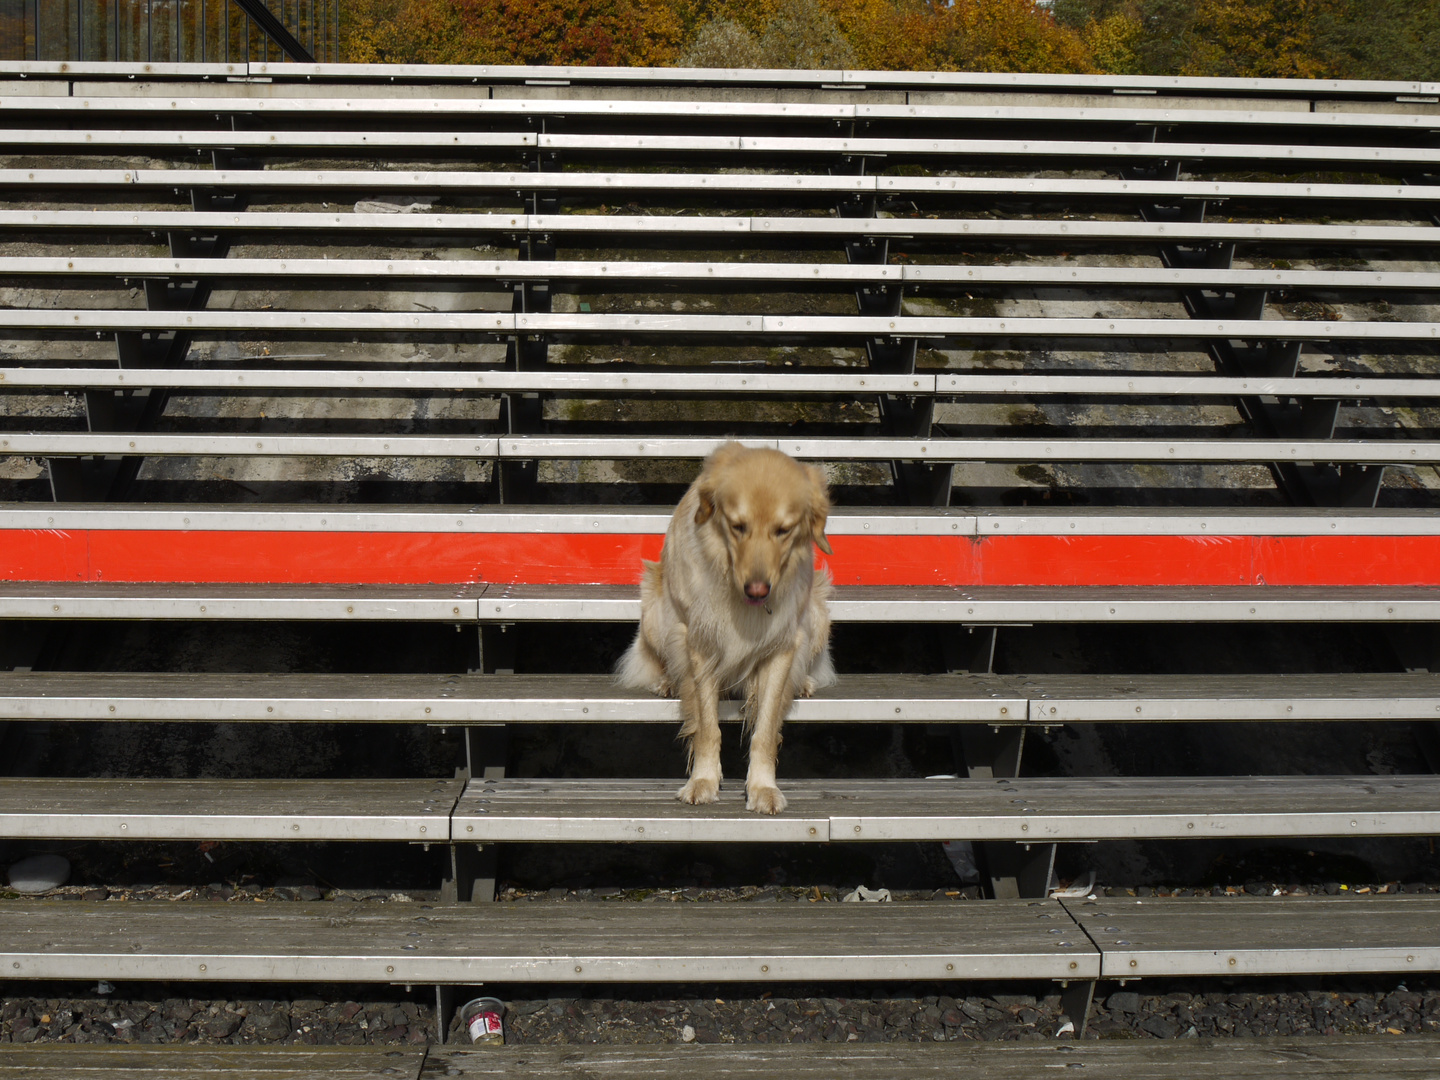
(181, 1062)
(595, 942)
(215, 809)
(1376, 1058)
(1262, 935)
(1025, 809)
(1311, 696)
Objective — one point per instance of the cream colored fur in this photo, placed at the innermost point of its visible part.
(752, 517)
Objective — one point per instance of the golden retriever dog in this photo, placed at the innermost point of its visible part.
(735, 604)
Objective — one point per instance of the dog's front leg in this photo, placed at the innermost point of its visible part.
(700, 726)
(770, 696)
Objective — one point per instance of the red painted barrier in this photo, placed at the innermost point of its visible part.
(402, 558)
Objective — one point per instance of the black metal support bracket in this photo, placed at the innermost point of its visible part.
(1307, 418)
(275, 30)
(473, 866)
(993, 752)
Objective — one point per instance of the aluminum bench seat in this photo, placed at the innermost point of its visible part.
(1118, 699)
(755, 325)
(474, 699)
(641, 274)
(709, 383)
(560, 381)
(622, 942)
(336, 109)
(1261, 935)
(421, 603)
(892, 810)
(540, 80)
(587, 699)
(1071, 191)
(998, 605)
(544, 943)
(979, 605)
(1337, 1057)
(774, 231)
(221, 809)
(512, 810)
(1389, 451)
(947, 151)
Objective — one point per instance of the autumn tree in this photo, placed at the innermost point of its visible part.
(637, 33)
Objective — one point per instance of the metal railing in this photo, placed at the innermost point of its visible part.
(162, 31)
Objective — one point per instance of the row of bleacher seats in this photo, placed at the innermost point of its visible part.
(1248, 281)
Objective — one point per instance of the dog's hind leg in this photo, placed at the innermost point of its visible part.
(769, 698)
(700, 727)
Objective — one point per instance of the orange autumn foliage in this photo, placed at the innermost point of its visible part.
(970, 35)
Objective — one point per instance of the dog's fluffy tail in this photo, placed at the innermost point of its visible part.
(641, 667)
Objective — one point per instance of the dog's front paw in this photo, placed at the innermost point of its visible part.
(807, 688)
(663, 689)
(764, 800)
(699, 791)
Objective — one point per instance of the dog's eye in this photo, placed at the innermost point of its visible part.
(782, 530)
(739, 527)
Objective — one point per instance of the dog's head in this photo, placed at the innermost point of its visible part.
(766, 509)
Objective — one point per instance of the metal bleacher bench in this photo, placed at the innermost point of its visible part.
(597, 194)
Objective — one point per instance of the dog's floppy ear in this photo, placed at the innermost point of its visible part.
(705, 503)
(705, 487)
(819, 509)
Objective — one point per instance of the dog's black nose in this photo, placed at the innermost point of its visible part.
(757, 590)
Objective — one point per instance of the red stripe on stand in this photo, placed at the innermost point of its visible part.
(398, 558)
